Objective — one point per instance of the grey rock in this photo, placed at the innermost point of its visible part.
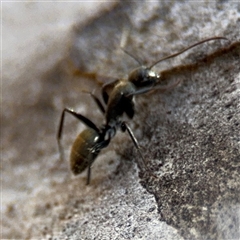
(189, 134)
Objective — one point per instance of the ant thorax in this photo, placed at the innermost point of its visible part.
(120, 102)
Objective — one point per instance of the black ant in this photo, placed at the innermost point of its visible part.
(118, 101)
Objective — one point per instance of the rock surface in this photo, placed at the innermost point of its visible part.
(190, 134)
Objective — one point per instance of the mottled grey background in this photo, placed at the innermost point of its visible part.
(189, 135)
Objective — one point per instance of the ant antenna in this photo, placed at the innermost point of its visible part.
(132, 56)
(184, 50)
(123, 43)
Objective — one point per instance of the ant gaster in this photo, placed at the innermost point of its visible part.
(118, 98)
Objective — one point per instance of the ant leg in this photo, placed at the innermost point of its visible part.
(88, 174)
(96, 100)
(142, 164)
(151, 89)
(101, 145)
(108, 87)
(79, 116)
(83, 119)
(125, 127)
(166, 88)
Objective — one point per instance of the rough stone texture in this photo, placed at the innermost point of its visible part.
(189, 135)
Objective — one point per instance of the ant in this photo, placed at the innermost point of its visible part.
(118, 101)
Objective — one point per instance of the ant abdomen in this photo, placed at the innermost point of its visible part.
(84, 150)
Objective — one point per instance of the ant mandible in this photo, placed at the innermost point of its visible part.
(92, 140)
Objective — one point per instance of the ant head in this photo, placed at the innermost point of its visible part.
(143, 77)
